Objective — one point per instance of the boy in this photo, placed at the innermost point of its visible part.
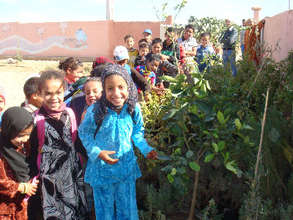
(33, 101)
(147, 35)
(205, 52)
(132, 52)
(143, 50)
(2, 102)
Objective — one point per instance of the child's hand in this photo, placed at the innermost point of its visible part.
(152, 155)
(28, 188)
(104, 155)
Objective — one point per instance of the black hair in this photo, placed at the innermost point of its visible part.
(142, 41)
(170, 30)
(69, 63)
(143, 45)
(189, 26)
(153, 57)
(205, 34)
(128, 36)
(92, 79)
(51, 74)
(157, 40)
(30, 87)
(98, 70)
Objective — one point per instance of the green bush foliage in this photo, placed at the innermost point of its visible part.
(210, 124)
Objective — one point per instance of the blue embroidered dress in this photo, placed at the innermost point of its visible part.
(115, 134)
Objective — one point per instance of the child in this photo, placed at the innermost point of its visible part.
(73, 69)
(132, 52)
(147, 35)
(33, 101)
(107, 132)
(188, 42)
(15, 183)
(149, 70)
(53, 140)
(205, 52)
(93, 92)
(143, 50)
(165, 67)
(121, 57)
(2, 102)
(170, 46)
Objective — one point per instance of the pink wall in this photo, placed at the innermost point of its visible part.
(79, 39)
(279, 31)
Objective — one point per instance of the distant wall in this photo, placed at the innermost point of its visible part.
(279, 31)
(79, 39)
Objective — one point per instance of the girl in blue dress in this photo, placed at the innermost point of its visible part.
(107, 131)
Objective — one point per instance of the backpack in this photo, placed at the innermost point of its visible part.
(40, 123)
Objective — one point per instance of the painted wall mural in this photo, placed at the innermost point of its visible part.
(20, 43)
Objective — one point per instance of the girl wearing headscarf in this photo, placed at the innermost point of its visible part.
(107, 131)
(15, 183)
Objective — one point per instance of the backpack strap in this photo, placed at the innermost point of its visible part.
(40, 123)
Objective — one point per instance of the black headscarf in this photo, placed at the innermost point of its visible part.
(15, 120)
(101, 106)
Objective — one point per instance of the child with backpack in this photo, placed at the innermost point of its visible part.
(55, 149)
(15, 181)
(107, 132)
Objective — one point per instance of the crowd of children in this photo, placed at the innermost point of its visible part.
(67, 152)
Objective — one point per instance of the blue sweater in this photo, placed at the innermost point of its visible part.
(115, 134)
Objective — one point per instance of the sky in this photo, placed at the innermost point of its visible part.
(133, 10)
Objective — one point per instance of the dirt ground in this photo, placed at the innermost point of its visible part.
(13, 76)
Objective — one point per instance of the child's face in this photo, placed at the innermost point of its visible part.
(188, 33)
(2, 104)
(93, 92)
(22, 137)
(52, 94)
(156, 48)
(169, 37)
(122, 62)
(153, 65)
(116, 90)
(129, 42)
(144, 51)
(147, 36)
(74, 75)
(36, 100)
(204, 41)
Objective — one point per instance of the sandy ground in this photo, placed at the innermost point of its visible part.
(13, 76)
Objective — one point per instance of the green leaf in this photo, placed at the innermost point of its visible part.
(173, 171)
(238, 123)
(170, 113)
(209, 158)
(189, 154)
(221, 145)
(221, 118)
(231, 166)
(208, 85)
(216, 147)
(170, 178)
(194, 166)
(193, 109)
(247, 127)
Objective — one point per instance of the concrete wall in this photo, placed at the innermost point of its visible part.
(79, 39)
(278, 33)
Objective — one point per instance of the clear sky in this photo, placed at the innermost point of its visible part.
(132, 10)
